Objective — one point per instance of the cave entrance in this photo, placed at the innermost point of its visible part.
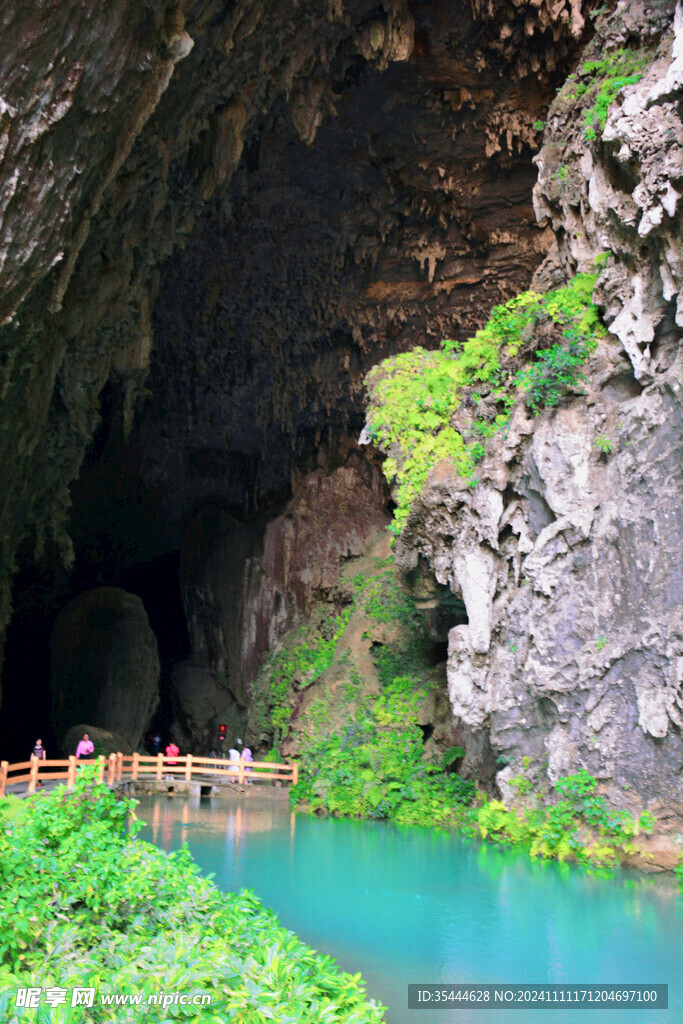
(157, 583)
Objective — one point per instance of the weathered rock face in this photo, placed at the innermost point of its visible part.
(621, 193)
(568, 562)
(567, 554)
(105, 666)
(125, 133)
(244, 587)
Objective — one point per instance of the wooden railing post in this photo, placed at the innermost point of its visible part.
(295, 773)
(160, 766)
(111, 772)
(4, 765)
(188, 768)
(136, 765)
(100, 775)
(119, 766)
(71, 772)
(34, 774)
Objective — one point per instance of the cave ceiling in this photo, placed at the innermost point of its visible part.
(217, 216)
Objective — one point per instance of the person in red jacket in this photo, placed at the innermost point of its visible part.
(172, 752)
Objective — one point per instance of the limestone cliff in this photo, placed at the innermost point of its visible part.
(567, 552)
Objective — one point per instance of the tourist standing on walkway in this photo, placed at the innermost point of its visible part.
(234, 765)
(85, 748)
(39, 750)
(247, 757)
(172, 752)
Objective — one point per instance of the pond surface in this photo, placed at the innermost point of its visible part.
(412, 906)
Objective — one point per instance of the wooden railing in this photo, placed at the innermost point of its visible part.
(119, 767)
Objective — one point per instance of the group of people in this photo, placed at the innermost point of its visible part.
(84, 750)
(234, 757)
(154, 746)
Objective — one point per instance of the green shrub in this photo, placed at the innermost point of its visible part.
(558, 830)
(555, 371)
(604, 444)
(678, 871)
(374, 768)
(414, 395)
(605, 78)
(84, 903)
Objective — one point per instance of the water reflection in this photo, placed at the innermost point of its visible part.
(406, 905)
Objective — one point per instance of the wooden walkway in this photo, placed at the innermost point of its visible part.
(130, 767)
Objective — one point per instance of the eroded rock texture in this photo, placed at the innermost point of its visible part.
(622, 193)
(567, 554)
(245, 586)
(105, 666)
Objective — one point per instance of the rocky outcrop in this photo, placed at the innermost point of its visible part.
(379, 637)
(567, 558)
(244, 587)
(566, 552)
(617, 189)
(105, 666)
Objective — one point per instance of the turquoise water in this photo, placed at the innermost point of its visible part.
(411, 906)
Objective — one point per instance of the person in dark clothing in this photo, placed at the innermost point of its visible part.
(39, 752)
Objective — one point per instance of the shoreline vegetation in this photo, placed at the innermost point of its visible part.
(84, 903)
(355, 704)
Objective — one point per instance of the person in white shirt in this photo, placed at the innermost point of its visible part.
(234, 765)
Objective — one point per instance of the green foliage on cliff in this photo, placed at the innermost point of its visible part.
(415, 396)
(313, 647)
(375, 767)
(83, 903)
(580, 825)
(302, 658)
(601, 82)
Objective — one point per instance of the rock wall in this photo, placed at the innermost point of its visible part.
(567, 552)
(245, 585)
(620, 194)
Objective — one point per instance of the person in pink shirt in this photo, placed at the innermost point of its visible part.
(85, 747)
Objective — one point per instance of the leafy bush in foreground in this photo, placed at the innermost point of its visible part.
(84, 903)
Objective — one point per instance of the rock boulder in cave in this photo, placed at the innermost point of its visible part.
(105, 665)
